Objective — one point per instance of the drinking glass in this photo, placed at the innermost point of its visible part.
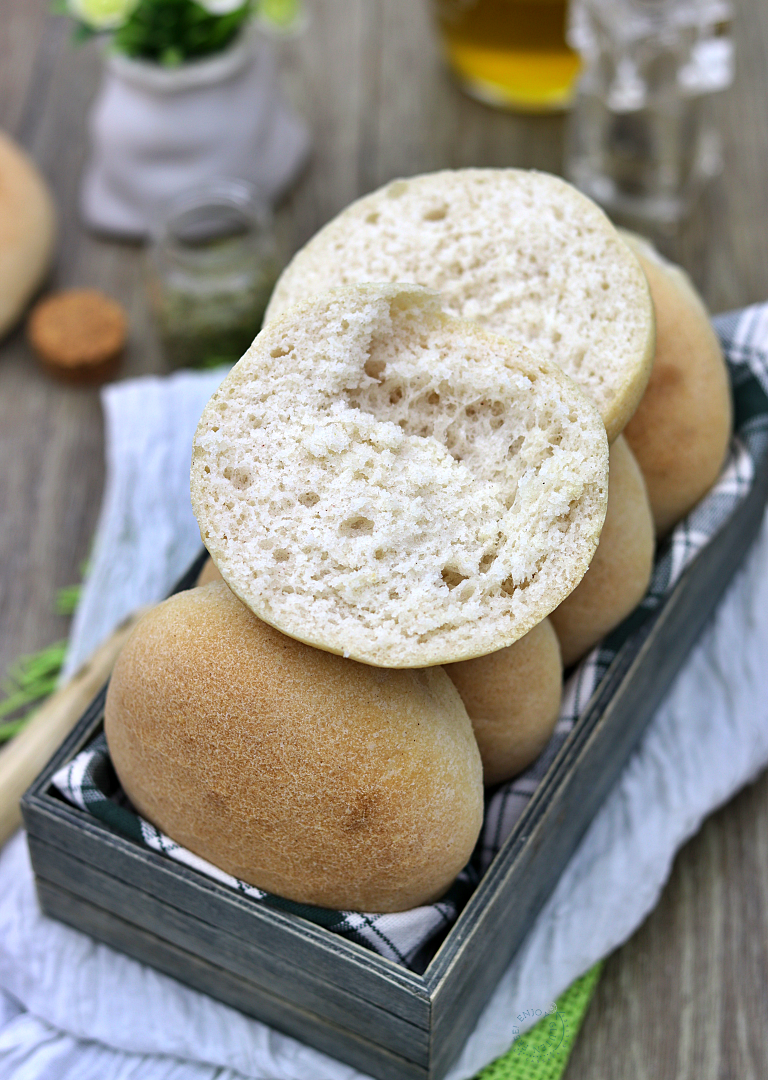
(511, 53)
(641, 138)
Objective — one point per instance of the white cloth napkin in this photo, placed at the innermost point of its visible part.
(72, 1008)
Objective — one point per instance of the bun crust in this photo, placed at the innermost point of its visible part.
(522, 253)
(27, 231)
(620, 572)
(382, 481)
(682, 427)
(513, 700)
(209, 573)
(312, 777)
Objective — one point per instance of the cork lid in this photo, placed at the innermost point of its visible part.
(78, 334)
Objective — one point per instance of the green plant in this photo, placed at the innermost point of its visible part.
(172, 31)
(169, 32)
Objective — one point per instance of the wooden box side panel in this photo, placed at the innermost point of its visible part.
(323, 956)
(475, 954)
(281, 976)
(233, 990)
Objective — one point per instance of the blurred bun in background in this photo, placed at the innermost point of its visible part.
(682, 427)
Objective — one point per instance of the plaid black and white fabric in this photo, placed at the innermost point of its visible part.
(411, 937)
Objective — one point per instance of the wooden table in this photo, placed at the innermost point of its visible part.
(686, 997)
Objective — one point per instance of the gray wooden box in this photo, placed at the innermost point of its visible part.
(332, 993)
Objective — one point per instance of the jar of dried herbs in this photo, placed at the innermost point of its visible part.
(212, 267)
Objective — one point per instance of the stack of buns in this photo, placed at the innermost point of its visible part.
(415, 520)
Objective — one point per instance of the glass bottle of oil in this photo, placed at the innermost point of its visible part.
(511, 53)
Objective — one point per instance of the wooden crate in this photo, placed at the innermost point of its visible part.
(330, 992)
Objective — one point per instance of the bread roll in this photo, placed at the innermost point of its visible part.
(513, 700)
(209, 573)
(620, 572)
(380, 480)
(682, 427)
(27, 231)
(522, 253)
(313, 777)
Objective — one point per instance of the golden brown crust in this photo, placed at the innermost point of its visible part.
(313, 777)
(620, 571)
(513, 700)
(209, 573)
(27, 231)
(682, 427)
(78, 334)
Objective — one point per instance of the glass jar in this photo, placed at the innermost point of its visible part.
(511, 53)
(212, 267)
(641, 138)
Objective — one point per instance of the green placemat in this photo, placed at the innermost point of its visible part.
(542, 1052)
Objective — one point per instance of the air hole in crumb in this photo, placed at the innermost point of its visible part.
(309, 498)
(497, 409)
(281, 350)
(287, 589)
(372, 219)
(375, 368)
(344, 324)
(356, 526)
(395, 395)
(470, 410)
(241, 479)
(207, 469)
(379, 553)
(433, 398)
(508, 586)
(280, 555)
(438, 214)
(394, 594)
(452, 577)
(515, 446)
(487, 561)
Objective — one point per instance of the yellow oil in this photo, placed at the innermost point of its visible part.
(511, 53)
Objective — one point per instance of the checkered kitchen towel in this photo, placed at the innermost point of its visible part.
(410, 937)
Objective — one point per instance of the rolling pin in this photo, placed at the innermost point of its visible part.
(24, 757)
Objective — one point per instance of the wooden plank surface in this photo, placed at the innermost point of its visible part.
(684, 998)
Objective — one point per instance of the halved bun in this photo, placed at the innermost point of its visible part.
(524, 254)
(383, 481)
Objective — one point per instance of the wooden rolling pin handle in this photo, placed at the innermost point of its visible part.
(24, 757)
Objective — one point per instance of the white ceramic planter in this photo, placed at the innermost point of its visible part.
(156, 132)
